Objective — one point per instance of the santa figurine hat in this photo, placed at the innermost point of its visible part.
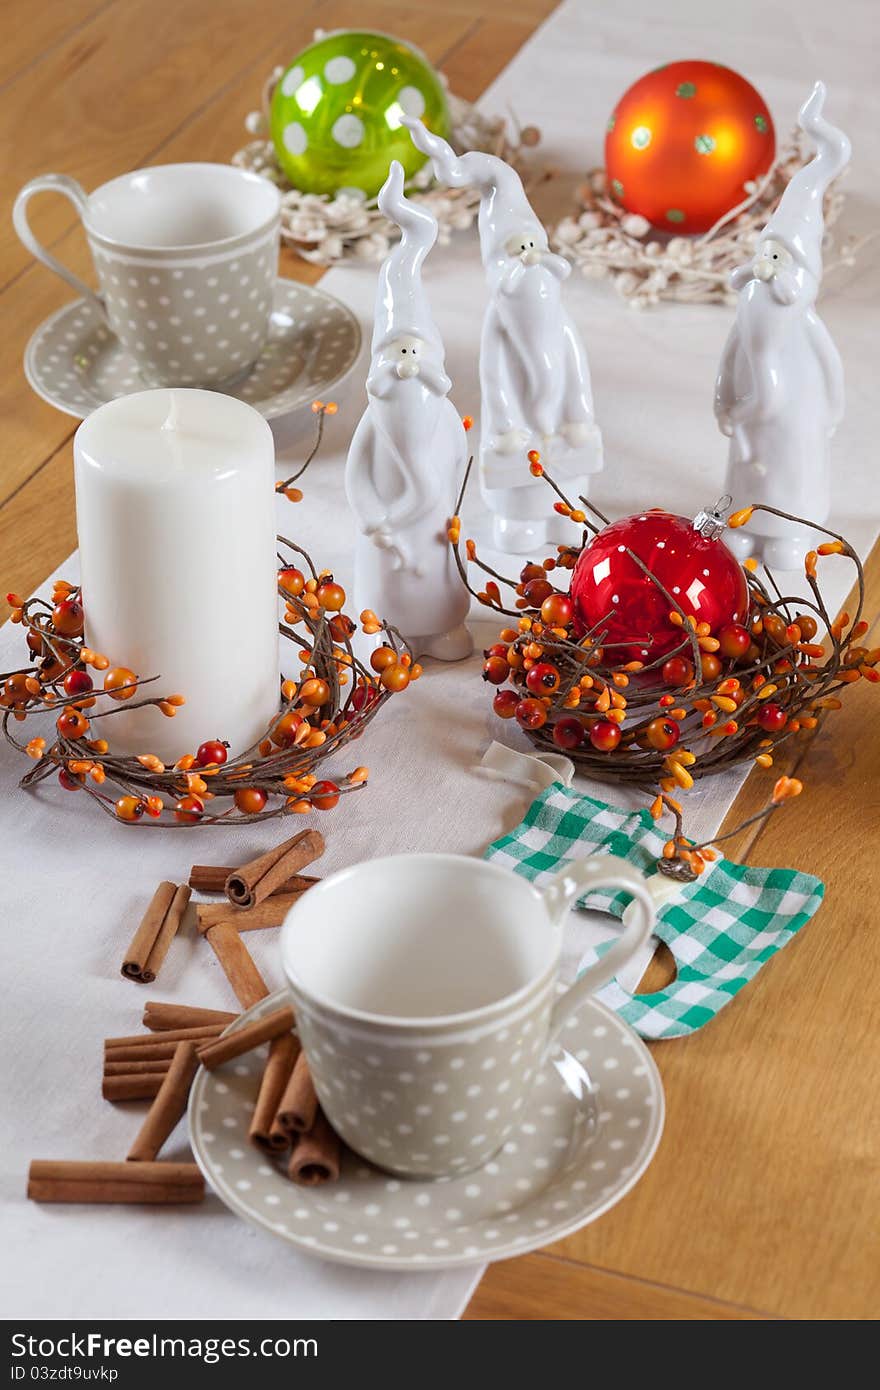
(799, 221)
(401, 304)
(505, 211)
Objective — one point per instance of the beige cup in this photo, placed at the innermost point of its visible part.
(425, 996)
(186, 257)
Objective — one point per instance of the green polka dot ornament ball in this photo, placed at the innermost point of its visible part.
(683, 142)
(336, 112)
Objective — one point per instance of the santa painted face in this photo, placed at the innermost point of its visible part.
(528, 246)
(406, 354)
(775, 267)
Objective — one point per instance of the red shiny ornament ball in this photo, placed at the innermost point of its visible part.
(605, 736)
(734, 641)
(613, 594)
(682, 143)
(772, 718)
(568, 732)
(543, 678)
(505, 704)
(211, 752)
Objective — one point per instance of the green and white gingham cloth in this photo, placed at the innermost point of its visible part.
(720, 928)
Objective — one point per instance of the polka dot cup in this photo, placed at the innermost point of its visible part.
(186, 257)
(425, 996)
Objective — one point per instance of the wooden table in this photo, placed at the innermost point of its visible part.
(763, 1199)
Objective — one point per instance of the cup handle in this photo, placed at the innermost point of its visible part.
(599, 871)
(54, 183)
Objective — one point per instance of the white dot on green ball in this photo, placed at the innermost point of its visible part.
(295, 138)
(348, 131)
(412, 101)
(291, 80)
(339, 70)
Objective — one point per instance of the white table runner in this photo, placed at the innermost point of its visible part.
(76, 883)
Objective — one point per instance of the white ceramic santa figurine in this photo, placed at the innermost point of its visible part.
(534, 376)
(779, 393)
(408, 453)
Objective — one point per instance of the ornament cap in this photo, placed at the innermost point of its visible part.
(710, 521)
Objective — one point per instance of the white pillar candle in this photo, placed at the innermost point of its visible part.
(175, 502)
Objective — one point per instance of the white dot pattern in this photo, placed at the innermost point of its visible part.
(348, 131)
(557, 1171)
(76, 363)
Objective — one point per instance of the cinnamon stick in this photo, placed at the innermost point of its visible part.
(160, 1053)
(136, 1068)
(154, 1183)
(156, 932)
(211, 878)
(161, 1018)
(316, 1156)
(245, 1039)
(299, 1104)
(200, 1033)
(139, 1086)
(270, 913)
(255, 881)
(279, 1065)
(168, 1106)
(235, 958)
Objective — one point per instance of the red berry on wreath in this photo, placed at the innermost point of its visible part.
(363, 696)
(382, 657)
(15, 691)
(120, 683)
(497, 649)
(734, 641)
(211, 752)
(710, 666)
(324, 796)
(78, 682)
(772, 717)
(496, 670)
(314, 692)
(72, 723)
(568, 732)
(291, 581)
(69, 782)
(505, 704)
(661, 734)
(531, 571)
(68, 617)
(189, 810)
(605, 736)
(395, 677)
(543, 678)
(129, 808)
(557, 610)
(530, 714)
(330, 595)
(677, 671)
(250, 800)
(285, 730)
(536, 591)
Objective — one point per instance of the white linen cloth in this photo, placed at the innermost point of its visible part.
(76, 883)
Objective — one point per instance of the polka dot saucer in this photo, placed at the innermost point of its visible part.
(76, 363)
(578, 1149)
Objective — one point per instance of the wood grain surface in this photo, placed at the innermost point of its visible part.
(762, 1201)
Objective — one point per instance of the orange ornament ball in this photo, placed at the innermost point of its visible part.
(682, 143)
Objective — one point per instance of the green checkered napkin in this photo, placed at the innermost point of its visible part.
(720, 929)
